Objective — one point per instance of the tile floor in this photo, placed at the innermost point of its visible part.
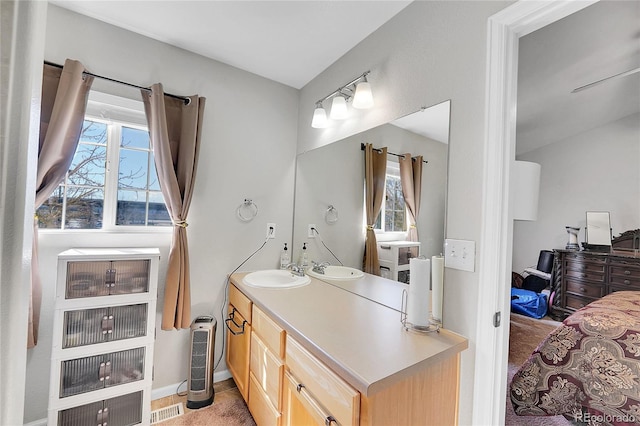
(225, 389)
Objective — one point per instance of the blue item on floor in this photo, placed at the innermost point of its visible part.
(529, 303)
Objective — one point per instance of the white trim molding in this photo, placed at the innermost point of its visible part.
(494, 263)
(173, 389)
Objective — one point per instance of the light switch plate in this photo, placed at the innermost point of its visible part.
(460, 254)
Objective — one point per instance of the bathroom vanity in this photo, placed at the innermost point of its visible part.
(336, 353)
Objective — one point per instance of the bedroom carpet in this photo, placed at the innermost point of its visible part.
(524, 336)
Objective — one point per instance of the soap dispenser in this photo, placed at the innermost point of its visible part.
(285, 258)
(304, 257)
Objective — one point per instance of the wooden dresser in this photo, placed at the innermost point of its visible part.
(580, 277)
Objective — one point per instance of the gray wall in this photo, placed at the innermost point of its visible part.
(248, 151)
(593, 171)
(429, 52)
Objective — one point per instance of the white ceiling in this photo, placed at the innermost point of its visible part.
(286, 41)
(293, 41)
(596, 42)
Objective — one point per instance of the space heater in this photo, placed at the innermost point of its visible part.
(200, 381)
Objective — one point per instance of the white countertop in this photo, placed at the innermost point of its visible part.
(359, 337)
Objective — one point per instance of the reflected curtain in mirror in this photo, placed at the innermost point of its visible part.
(64, 102)
(375, 166)
(175, 129)
(411, 179)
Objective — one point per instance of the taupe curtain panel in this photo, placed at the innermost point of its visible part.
(64, 102)
(375, 165)
(411, 179)
(175, 130)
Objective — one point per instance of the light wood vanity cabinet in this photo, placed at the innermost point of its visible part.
(285, 384)
(238, 325)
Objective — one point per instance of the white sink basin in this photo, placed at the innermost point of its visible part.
(337, 273)
(275, 278)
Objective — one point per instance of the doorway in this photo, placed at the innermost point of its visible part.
(496, 242)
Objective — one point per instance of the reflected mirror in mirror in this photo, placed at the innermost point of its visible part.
(598, 229)
(333, 175)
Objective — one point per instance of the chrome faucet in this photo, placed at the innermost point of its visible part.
(295, 269)
(319, 267)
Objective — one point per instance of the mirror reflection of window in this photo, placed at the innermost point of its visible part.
(393, 214)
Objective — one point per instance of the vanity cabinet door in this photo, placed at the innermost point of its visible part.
(238, 349)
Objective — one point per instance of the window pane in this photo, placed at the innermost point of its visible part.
(158, 214)
(84, 208)
(88, 165)
(132, 208)
(94, 132)
(133, 169)
(50, 212)
(134, 138)
(154, 184)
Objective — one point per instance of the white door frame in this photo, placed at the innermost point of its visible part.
(496, 240)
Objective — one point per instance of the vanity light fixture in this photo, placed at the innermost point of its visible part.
(319, 117)
(357, 90)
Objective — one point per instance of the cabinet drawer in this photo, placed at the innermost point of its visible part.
(240, 302)
(89, 326)
(576, 302)
(261, 409)
(271, 334)
(330, 391)
(583, 289)
(625, 283)
(105, 278)
(575, 257)
(622, 270)
(268, 371)
(99, 371)
(119, 411)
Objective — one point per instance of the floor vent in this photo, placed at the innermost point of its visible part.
(166, 413)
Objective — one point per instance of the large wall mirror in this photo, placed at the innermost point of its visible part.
(329, 189)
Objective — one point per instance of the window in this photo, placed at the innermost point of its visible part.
(96, 195)
(393, 214)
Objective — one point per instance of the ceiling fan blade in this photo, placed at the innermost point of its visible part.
(622, 74)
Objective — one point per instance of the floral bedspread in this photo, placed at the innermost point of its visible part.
(587, 369)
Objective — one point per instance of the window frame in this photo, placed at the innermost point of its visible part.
(381, 234)
(116, 112)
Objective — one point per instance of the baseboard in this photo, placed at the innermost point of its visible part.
(171, 389)
(41, 422)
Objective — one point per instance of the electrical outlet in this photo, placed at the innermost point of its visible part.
(271, 230)
(310, 231)
(460, 254)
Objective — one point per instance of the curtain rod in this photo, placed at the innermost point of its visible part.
(186, 100)
(362, 148)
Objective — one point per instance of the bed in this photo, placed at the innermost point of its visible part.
(587, 369)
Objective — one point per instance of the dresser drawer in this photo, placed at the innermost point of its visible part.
(582, 289)
(268, 371)
(577, 302)
(624, 270)
(271, 334)
(587, 274)
(240, 302)
(330, 391)
(579, 257)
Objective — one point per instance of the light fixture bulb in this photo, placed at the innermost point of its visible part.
(319, 120)
(339, 108)
(363, 98)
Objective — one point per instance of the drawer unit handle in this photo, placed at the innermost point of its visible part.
(299, 387)
(231, 319)
(107, 324)
(582, 289)
(627, 272)
(329, 421)
(103, 417)
(315, 407)
(105, 371)
(627, 282)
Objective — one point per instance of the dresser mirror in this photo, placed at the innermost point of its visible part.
(598, 231)
(329, 191)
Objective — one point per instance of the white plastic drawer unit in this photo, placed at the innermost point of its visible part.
(105, 324)
(104, 278)
(122, 410)
(91, 373)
